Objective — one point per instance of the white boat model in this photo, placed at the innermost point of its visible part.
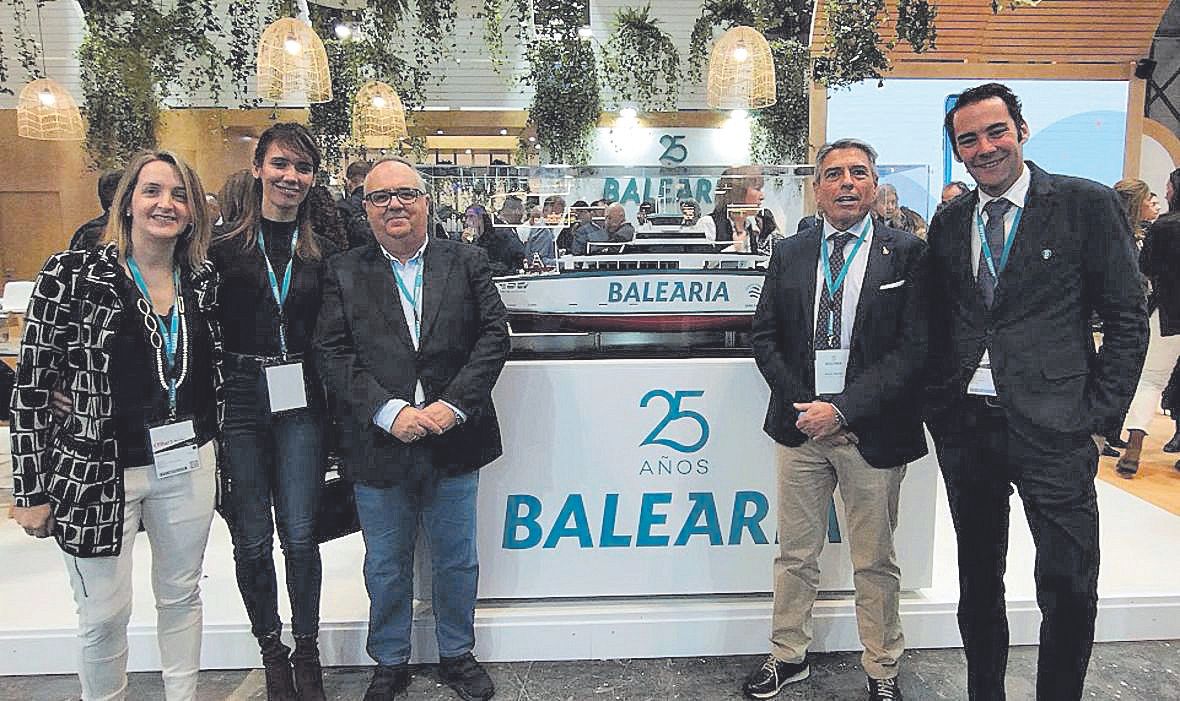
(666, 284)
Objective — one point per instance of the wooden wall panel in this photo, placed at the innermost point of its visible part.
(27, 223)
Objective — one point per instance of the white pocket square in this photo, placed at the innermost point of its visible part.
(891, 285)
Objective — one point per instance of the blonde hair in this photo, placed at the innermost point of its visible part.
(1133, 192)
(733, 184)
(193, 246)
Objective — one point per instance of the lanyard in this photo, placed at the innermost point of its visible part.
(411, 297)
(168, 333)
(986, 250)
(280, 294)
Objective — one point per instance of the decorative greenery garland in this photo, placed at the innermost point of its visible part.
(640, 62)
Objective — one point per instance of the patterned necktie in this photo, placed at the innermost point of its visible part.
(827, 322)
(994, 231)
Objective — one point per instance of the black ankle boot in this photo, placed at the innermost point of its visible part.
(276, 662)
(1173, 446)
(309, 676)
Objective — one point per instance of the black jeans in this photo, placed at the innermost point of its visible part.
(272, 461)
(982, 455)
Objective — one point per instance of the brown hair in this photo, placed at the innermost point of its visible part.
(193, 246)
(297, 138)
(733, 184)
(1133, 192)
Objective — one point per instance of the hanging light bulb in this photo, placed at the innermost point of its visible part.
(741, 53)
(378, 102)
(741, 71)
(292, 63)
(292, 46)
(46, 98)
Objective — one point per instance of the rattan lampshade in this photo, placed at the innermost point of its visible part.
(741, 71)
(292, 63)
(378, 120)
(47, 112)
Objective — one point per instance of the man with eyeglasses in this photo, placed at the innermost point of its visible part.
(411, 338)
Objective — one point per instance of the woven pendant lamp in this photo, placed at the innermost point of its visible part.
(741, 71)
(378, 119)
(292, 63)
(45, 111)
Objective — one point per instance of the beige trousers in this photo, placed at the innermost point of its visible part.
(807, 478)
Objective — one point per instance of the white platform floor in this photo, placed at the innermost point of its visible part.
(1139, 590)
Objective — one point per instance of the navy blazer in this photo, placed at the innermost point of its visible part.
(887, 353)
(1072, 257)
(365, 356)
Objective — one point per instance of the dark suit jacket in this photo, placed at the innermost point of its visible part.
(366, 357)
(1072, 257)
(888, 349)
(1160, 262)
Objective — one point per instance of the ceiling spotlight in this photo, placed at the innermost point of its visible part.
(739, 115)
(438, 132)
(538, 147)
(585, 32)
(532, 139)
(467, 151)
(458, 60)
(503, 132)
(628, 113)
(741, 53)
(343, 31)
(292, 46)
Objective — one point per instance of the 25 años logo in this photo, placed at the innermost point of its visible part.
(676, 413)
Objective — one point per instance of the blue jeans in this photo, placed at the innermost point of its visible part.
(272, 461)
(390, 516)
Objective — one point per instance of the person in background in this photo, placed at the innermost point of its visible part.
(645, 208)
(325, 217)
(412, 387)
(1159, 262)
(89, 235)
(915, 223)
(738, 215)
(352, 207)
(541, 242)
(235, 192)
(272, 265)
(614, 229)
(1015, 392)
(889, 211)
(591, 220)
(840, 336)
(579, 214)
(950, 191)
(1171, 395)
(504, 249)
(129, 334)
(214, 208)
(691, 213)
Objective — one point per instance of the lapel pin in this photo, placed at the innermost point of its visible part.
(884, 251)
(1047, 254)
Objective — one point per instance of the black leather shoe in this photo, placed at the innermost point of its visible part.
(1173, 446)
(276, 664)
(388, 682)
(1115, 440)
(770, 678)
(1109, 452)
(466, 677)
(309, 676)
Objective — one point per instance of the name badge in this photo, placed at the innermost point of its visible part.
(830, 368)
(285, 387)
(174, 448)
(982, 383)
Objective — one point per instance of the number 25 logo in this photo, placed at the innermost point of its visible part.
(675, 413)
(674, 151)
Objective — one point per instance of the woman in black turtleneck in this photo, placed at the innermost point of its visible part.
(271, 266)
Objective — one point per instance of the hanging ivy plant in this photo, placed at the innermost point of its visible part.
(492, 15)
(915, 24)
(779, 132)
(853, 51)
(562, 70)
(640, 62)
(121, 105)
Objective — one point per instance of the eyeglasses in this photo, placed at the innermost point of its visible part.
(405, 195)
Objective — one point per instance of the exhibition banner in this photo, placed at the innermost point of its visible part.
(651, 477)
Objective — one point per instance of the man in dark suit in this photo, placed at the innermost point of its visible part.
(840, 335)
(1016, 387)
(411, 338)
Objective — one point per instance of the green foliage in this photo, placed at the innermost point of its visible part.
(121, 104)
(27, 48)
(854, 50)
(561, 68)
(779, 132)
(640, 62)
(492, 15)
(724, 14)
(915, 24)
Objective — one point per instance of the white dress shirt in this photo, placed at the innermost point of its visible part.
(852, 282)
(1017, 195)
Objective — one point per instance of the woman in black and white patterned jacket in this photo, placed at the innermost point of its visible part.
(128, 332)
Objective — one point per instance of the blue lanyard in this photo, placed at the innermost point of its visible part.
(412, 297)
(280, 294)
(986, 250)
(170, 332)
(834, 285)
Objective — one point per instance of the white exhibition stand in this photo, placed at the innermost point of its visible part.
(569, 570)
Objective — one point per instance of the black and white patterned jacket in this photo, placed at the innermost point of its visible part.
(71, 323)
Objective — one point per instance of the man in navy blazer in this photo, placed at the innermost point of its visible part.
(840, 335)
(1016, 388)
(412, 336)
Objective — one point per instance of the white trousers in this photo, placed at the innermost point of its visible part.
(1162, 352)
(176, 513)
